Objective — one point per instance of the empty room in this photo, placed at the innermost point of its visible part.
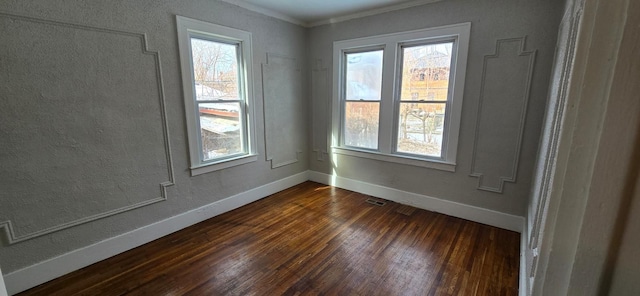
(281, 147)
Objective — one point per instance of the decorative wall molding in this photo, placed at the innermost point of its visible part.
(495, 94)
(522, 275)
(550, 143)
(370, 12)
(31, 276)
(320, 109)
(342, 18)
(451, 208)
(9, 227)
(279, 94)
(549, 153)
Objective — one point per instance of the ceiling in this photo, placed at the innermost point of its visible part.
(318, 12)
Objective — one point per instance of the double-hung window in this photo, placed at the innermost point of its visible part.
(398, 97)
(216, 72)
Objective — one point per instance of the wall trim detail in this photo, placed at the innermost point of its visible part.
(31, 276)
(284, 163)
(523, 279)
(370, 12)
(3, 288)
(526, 94)
(8, 226)
(320, 71)
(39, 273)
(342, 18)
(550, 157)
(451, 208)
(293, 64)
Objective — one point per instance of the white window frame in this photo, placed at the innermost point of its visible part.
(391, 76)
(188, 28)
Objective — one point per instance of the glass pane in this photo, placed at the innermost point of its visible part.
(215, 69)
(221, 129)
(361, 124)
(425, 72)
(364, 75)
(421, 128)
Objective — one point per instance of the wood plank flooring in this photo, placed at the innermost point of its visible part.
(311, 239)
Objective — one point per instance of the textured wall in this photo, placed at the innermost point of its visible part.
(81, 120)
(491, 21)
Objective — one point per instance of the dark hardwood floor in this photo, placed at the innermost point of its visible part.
(311, 239)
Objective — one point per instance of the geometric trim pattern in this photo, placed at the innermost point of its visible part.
(476, 169)
(320, 104)
(550, 153)
(39, 273)
(8, 226)
(280, 127)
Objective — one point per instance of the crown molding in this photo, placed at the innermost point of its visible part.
(370, 12)
(267, 12)
(333, 20)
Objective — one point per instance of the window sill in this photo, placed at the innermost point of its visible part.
(402, 159)
(227, 163)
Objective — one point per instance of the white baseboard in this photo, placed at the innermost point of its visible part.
(523, 283)
(473, 213)
(31, 276)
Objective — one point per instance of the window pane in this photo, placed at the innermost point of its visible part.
(364, 75)
(420, 128)
(425, 72)
(361, 124)
(215, 69)
(220, 129)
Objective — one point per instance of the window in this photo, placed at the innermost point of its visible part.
(216, 68)
(398, 97)
(362, 98)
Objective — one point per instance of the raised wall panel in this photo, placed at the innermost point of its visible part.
(83, 125)
(504, 96)
(283, 107)
(320, 110)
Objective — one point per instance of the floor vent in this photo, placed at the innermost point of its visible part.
(375, 202)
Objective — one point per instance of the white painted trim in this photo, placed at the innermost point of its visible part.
(523, 282)
(3, 288)
(370, 12)
(333, 20)
(451, 208)
(31, 276)
(396, 158)
(267, 12)
(388, 129)
(9, 228)
(227, 163)
(188, 28)
(39, 273)
(476, 171)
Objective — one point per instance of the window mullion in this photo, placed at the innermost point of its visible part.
(385, 136)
